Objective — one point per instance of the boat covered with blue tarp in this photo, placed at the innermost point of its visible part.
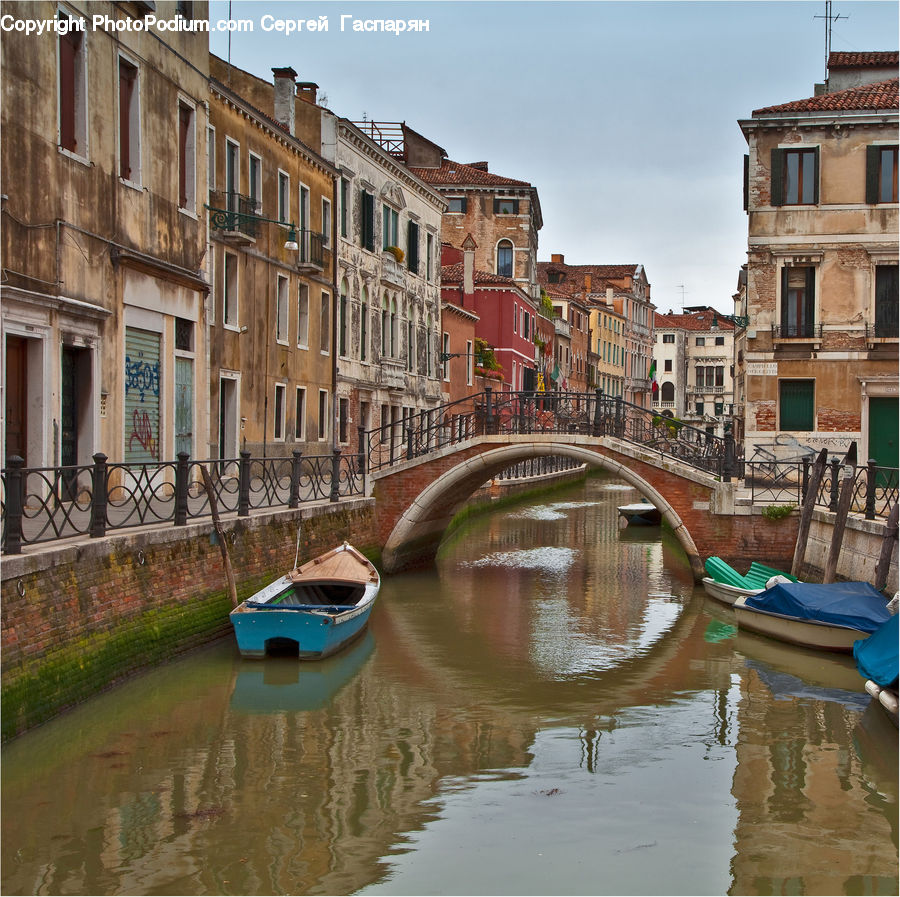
(829, 617)
(878, 656)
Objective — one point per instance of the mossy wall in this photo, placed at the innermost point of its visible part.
(77, 619)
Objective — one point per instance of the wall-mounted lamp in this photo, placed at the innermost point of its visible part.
(291, 243)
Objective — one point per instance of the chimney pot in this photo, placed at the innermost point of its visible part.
(558, 258)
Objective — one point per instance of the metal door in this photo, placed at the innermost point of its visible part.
(184, 405)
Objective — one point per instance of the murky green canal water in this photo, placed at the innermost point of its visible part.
(554, 710)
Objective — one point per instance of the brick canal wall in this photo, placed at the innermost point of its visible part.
(76, 619)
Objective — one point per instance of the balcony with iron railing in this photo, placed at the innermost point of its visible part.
(806, 330)
(234, 215)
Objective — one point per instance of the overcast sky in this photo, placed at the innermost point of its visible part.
(623, 115)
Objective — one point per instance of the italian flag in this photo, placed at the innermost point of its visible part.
(654, 386)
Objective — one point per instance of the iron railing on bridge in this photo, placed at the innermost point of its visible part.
(591, 413)
(44, 504)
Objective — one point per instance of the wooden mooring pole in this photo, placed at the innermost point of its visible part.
(887, 549)
(806, 513)
(848, 485)
(217, 525)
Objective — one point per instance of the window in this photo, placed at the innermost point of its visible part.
(886, 301)
(798, 302)
(129, 123)
(668, 337)
(326, 221)
(718, 409)
(211, 158)
(410, 346)
(300, 414)
(232, 174)
(303, 316)
(323, 414)
(506, 207)
(343, 419)
(720, 340)
(230, 291)
(700, 341)
(385, 327)
(505, 258)
(284, 197)
(796, 410)
(367, 221)
(429, 252)
(278, 424)
(720, 376)
(445, 359)
(303, 211)
(667, 365)
(345, 207)
(390, 226)
(667, 392)
(72, 92)
(456, 205)
(255, 169)
(281, 308)
(429, 361)
(187, 158)
(184, 335)
(698, 408)
(325, 324)
(364, 326)
(412, 247)
(470, 362)
(795, 176)
(881, 174)
(344, 321)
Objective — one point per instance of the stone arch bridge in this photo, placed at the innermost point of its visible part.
(422, 485)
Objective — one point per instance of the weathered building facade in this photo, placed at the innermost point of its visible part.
(820, 354)
(104, 236)
(389, 304)
(271, 315)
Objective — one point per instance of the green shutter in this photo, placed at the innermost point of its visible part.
(796, 409)
(873, 164)
(777, 177)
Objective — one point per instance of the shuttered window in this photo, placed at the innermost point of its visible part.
(796, 411)
(129, 125)
(795, 176)
(506, 206)
(412, 247)
(881, 174)
(367, 221)
(142, 388)
(71, 83)
(886, 301)
(798, 302)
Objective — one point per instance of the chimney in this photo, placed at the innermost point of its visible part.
(469, 272)
(308, 91)
(481, 166)
(587, 281)
(557, 258)
(609, 295)
(284, 97)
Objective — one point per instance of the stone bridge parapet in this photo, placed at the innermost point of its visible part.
(417, 499)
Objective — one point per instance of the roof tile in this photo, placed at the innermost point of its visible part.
(881, 95)
(457, 174)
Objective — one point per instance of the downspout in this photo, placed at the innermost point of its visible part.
(334, 314)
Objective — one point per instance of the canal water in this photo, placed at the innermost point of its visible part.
(554, 709)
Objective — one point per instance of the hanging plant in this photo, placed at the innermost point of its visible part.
(396, 252)
(485, 354)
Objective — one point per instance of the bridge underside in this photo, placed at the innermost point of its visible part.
(415, 537)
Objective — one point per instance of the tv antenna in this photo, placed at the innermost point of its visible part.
(680, 286)
(829, 19)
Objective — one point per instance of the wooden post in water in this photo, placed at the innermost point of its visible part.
(848, 485)
(217, 524)
(887, 549)
(809, 505)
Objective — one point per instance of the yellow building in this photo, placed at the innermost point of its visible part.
(272, 267)
(608, 345)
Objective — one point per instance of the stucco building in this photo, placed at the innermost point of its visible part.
(104, 237)
(271, 258)
(820, 352)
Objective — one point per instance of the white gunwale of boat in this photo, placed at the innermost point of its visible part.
(797, 631)
(725, 593)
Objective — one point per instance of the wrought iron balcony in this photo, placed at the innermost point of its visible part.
(312, 250)
(797, 331)
(234, 214)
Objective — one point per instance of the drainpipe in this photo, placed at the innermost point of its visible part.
(335, 415)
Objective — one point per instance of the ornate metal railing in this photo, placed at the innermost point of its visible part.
(593, 414)
(230, 211)
(49, 504)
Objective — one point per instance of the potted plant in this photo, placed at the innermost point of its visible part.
(396, 252)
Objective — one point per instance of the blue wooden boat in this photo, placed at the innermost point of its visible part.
(878, 661)
(313, 611)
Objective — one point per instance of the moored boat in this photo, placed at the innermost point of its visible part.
(826, 617)
(312, 611)
(878, 662)
(725, 584)
(641, 513)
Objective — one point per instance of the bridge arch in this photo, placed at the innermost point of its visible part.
(421, 526)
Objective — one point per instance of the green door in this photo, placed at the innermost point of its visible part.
(883, 423)
(184, 405)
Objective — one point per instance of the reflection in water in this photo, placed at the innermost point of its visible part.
(554, 704)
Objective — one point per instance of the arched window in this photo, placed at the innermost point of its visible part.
(667, 392)
(505, 258)
(364, 325)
